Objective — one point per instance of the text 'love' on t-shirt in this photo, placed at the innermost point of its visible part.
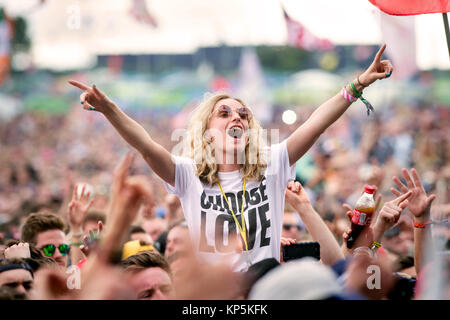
(210, 221)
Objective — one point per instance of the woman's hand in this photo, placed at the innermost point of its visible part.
(379, 69)
(92, 98)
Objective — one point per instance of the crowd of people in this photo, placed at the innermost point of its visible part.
(77, 223)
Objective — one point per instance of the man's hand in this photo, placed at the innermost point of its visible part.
(389, 214)
(128, 193)
(20, 250)
(296, 195)
(418, 203)
(78, 209)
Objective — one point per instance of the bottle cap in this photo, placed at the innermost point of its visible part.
(369, 189)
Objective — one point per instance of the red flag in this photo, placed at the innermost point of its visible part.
(412, 7)
(299, 36)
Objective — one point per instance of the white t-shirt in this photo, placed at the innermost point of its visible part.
(210, 221)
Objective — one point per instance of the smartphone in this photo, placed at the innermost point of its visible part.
(300, 250)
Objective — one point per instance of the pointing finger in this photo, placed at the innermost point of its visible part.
(404, 204)
(402, 197)
(380, 53)
(79, 85)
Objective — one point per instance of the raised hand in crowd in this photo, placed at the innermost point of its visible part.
(419, 204)
(194, 280)
(389, 215)
(285, 242)
(90, 239)
(127, 195)
(77, 210)
(296, 196)
(92, 98)
(20, 250)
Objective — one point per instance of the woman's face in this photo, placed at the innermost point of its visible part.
(228, 125)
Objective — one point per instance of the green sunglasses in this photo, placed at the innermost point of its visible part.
(49, 249)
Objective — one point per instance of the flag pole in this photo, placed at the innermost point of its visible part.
(447, 32)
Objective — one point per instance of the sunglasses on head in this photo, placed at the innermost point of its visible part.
(49, 249)
(225, 111)
(288, 227)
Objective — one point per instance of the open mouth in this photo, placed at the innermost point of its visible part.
(235, 132)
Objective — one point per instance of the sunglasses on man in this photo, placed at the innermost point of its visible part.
(50, 249)
(288, 227)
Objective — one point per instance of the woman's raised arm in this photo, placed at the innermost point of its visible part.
(306, 135)
(158, 158)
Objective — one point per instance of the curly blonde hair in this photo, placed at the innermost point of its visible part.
(199, 147)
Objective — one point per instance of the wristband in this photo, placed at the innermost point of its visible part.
(358, 94)
(376, 244)
(70, 234)
(347, 96)
(422, 225)
(77, 244)
(363, 249)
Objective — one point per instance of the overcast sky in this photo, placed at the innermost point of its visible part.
(68, 33)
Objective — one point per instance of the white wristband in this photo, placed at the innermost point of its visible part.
(363, 249)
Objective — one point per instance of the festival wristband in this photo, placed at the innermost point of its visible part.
(422, 225)
(358, 94)
(347, 96)
(376, 244)
(363, 249)
(76, 244)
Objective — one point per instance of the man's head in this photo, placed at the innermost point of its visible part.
(154, 227)
(292, 228)
(399, 239)
(138, 233)
(91, 221)
(151, 277)
(46, 232)
(178, 239)
(16, 274)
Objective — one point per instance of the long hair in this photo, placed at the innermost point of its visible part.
(198, 145)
